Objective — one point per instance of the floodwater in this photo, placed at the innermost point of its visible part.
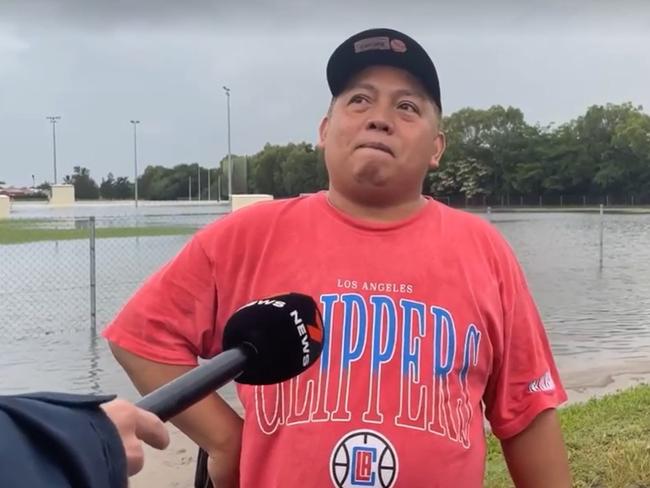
(592, 314)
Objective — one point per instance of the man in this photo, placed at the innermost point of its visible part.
(65, 441)
(426, 311)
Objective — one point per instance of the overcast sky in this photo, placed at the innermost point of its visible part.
(99, 64)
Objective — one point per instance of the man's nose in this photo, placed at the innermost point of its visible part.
(379, 120)
(379, 124)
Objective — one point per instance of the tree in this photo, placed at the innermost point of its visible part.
(491, 153)
(161, 183)
(116, 189)
(266, 171)
(240, 175)
(302, 171)
(123, 189)
(468, 165)
(495, 152)
(288, 170)
(85, 187)
(106, 187)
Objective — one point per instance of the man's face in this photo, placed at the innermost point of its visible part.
(381, 136)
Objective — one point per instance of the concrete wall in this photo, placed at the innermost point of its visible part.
(5, 206)
(62, 195)
(239, 201)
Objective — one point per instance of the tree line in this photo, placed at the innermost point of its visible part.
(492, 154)
(495, 153)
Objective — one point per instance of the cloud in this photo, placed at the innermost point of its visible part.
(11, 43)
(100, 63)
(12, 46)
(293, 16)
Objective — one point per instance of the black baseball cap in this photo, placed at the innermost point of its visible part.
(382, 47)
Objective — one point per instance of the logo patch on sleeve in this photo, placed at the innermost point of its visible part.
(543, 383)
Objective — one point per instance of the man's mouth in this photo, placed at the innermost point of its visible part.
(377, 145)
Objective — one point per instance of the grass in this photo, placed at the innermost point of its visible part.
(608, 440)
(23, 231)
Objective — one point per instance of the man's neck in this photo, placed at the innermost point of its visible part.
(388, 212)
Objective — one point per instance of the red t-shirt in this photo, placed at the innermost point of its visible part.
(428, 321)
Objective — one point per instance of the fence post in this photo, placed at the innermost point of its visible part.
(602, 225)
(93, 280)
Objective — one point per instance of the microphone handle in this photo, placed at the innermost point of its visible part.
(177, 395)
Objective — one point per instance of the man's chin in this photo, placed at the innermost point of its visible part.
(371, 180)
(371, 173)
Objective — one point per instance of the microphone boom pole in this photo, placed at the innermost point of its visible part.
(265, 342)
(174, 397)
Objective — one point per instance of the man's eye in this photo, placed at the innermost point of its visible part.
(408, 106)
(358, 99)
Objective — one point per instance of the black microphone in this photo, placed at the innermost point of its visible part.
(267, 341)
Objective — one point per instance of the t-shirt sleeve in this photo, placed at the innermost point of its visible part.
(171, 318)
(525, 380)
(56, 439)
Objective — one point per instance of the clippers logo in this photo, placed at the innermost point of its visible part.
(363, 458)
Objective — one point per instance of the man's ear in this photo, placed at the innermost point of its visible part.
(322, 131)
(439, 150)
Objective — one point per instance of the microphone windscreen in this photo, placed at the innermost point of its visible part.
(286, 331)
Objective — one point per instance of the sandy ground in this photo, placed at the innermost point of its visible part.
(174, 467)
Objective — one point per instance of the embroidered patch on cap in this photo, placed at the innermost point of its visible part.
(398, 45)
(372, 44)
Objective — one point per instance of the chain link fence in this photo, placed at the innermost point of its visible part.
(513, 201)
(44, 285)
(72, 274)
(69, 275)
(122, 264)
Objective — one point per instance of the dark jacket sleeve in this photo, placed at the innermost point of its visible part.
(59, 440)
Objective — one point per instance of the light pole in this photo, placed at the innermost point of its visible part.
(209, 184)
(227, 90)
(198, 178)
(135, 157)
(53, 119)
